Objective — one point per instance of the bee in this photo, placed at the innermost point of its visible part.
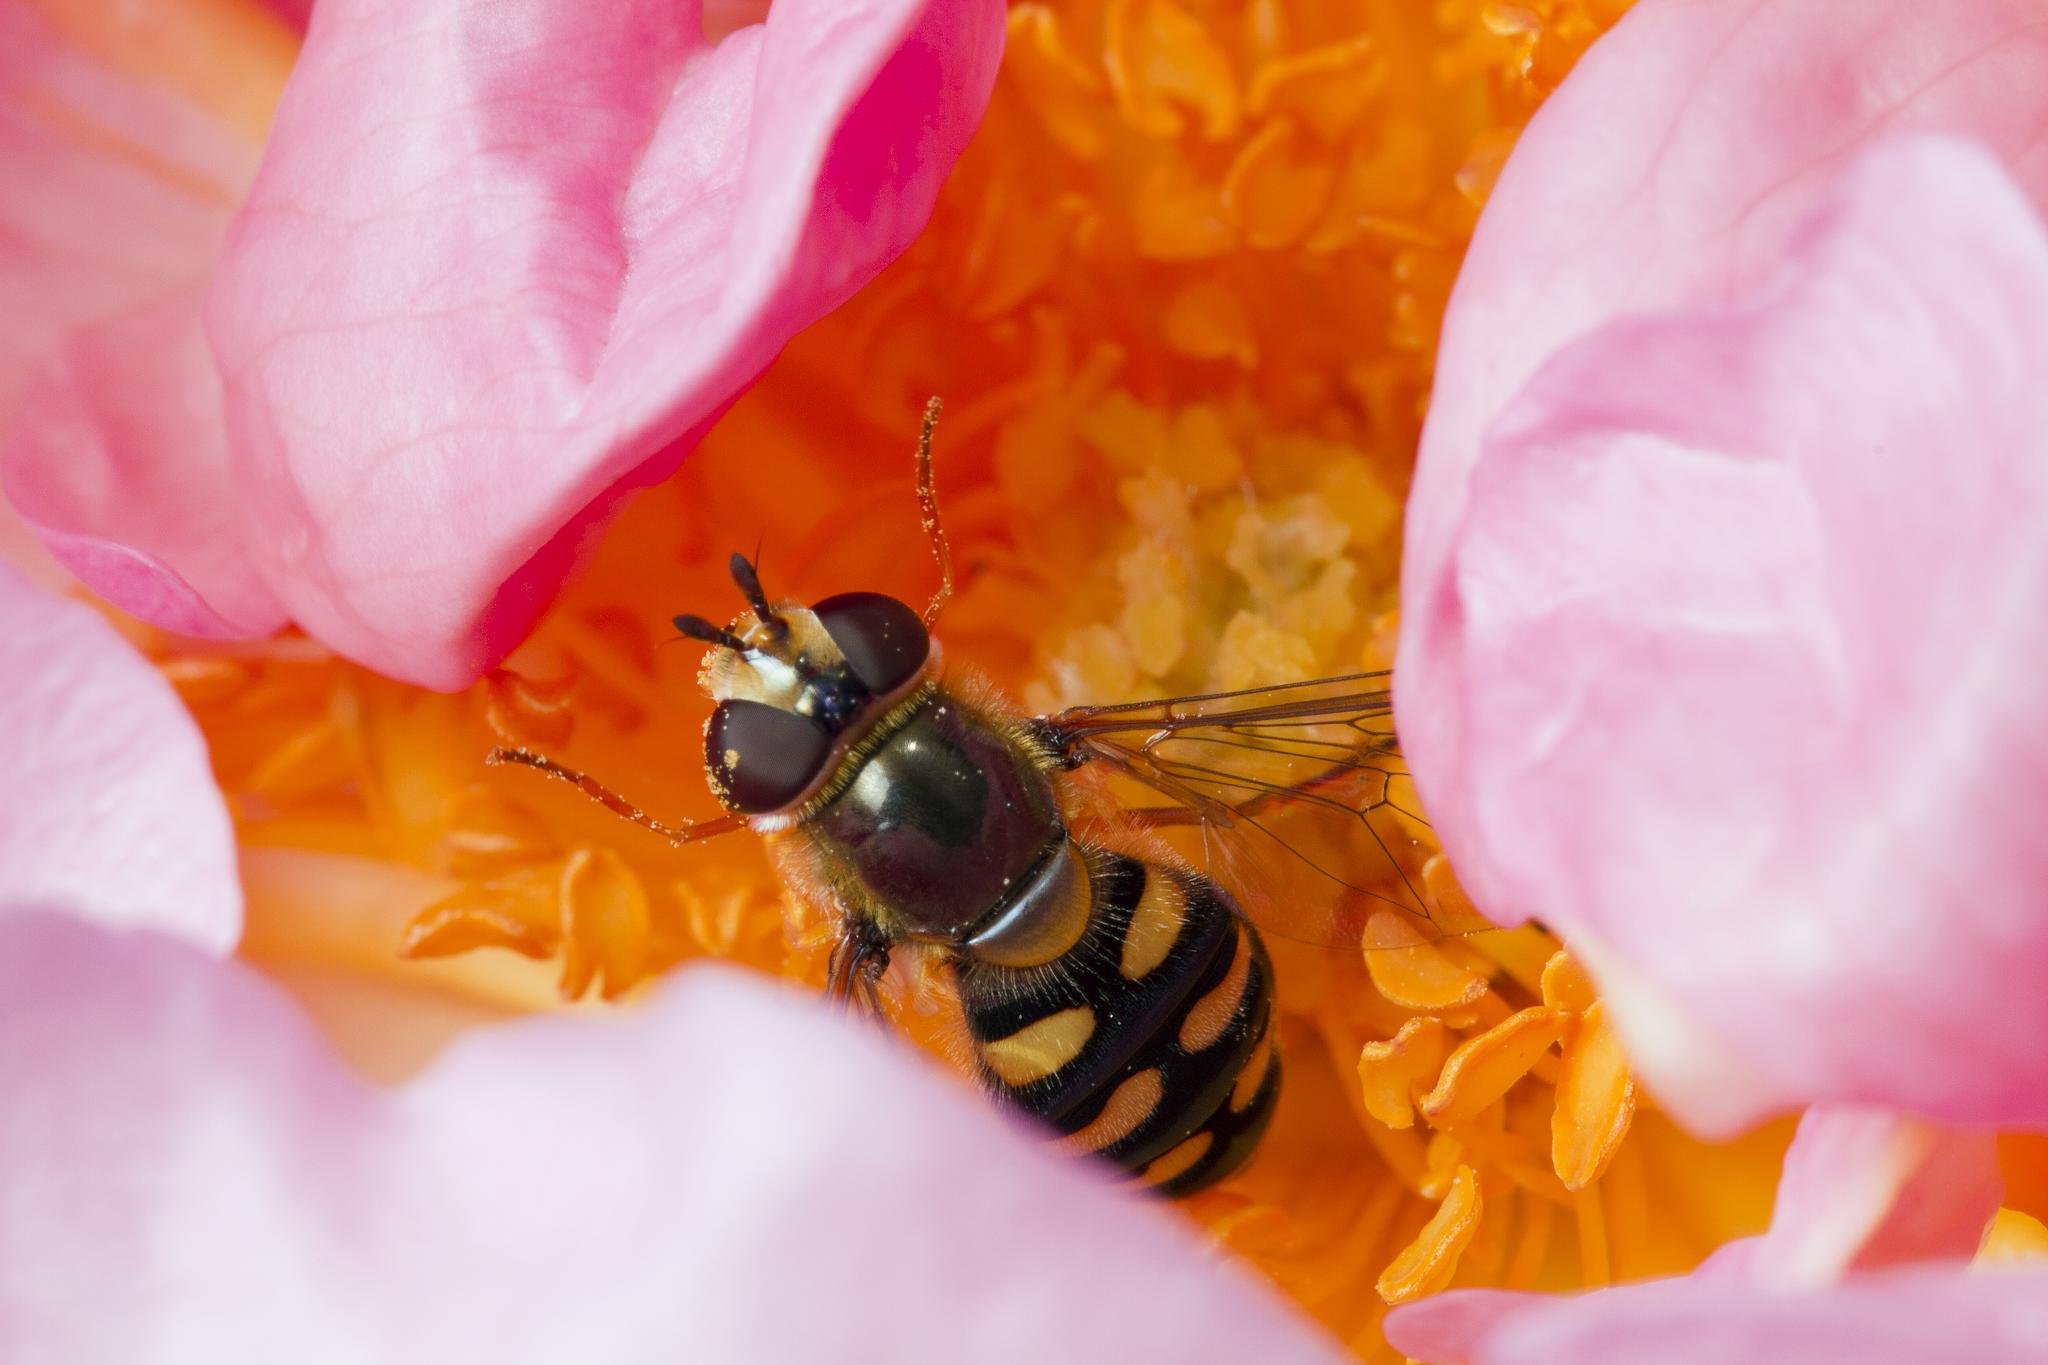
(1110, 986)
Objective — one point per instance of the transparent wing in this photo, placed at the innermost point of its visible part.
(1293, 797)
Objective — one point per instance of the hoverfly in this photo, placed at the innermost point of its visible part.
(1111, 986)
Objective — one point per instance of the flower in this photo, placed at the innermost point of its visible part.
(193, 1174)
(1181, 295)
(499, 267)
(1175, 445)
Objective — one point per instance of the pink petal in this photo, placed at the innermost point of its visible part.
(1864, 1189)
(293, 12)
(107, 803)
(507, 259)
(1671, 169)
(1752, 614)
(725, 1174)
(111, 439)
(1897, 1318)
(1454, 1328)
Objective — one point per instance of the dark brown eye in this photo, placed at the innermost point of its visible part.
(883, 640)
(763, 757)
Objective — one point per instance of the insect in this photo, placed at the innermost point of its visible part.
(1115, 988)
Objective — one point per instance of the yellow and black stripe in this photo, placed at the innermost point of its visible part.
(1145, 1041)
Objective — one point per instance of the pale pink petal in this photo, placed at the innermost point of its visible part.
(507, 259)
(119, 192)
(107, 803)
(1864, 1189)
(1752, 610)
(1453, 1328)
(726, 1173)
(1671, 169)
(1896, 1318)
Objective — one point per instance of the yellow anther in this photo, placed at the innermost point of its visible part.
(1411, 971)
(313, 761)
(1566, 987)
(1161, 60)
(528, 711)
(1277, 187)
(205, 681)
(487, 834)
(1596, 1099)
(2013, 1239)
(1327, 89)
(1391, 1074)
(1482, 1069)
(1427, 1263)
(1208, 321)
(520, 911)
(605, 924)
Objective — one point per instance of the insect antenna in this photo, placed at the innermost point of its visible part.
(749, 581)
(696, 627)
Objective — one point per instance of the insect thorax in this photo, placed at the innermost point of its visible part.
(938, 823)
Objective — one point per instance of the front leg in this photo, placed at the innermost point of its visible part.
(859, 959)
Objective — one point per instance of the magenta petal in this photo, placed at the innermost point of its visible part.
(1752, 604)
(107, 803)
(507, 258)
(1671, 169)
(725, 1174)
(293, 12)
(1897, 1318)
(111, 439)
(1864, 1189)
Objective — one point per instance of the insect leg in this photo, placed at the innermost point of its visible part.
(858, 962)
(928, 508)
(1164, 817)
(868, 978)
(839, 969)
(677, 835)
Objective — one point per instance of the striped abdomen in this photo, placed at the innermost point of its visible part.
(1147, 1040)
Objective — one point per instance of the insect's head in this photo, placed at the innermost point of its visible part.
(794, 684)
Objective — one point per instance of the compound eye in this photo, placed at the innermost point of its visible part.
(761, 757)
(883, 640)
